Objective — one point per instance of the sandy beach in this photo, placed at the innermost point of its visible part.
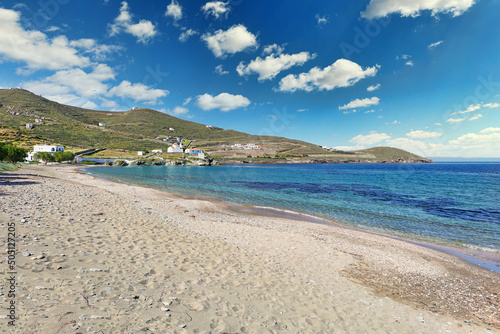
(94, 256)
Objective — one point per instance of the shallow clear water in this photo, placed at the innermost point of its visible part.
(445, 203)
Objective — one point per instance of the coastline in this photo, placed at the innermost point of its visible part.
(488, 259)
(233, 271)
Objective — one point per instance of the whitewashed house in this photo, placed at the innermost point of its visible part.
(157, 151)
(251, 147)
(171, 129)
(102, 124)
(195, 151)
(44, 148)
(175, 148)
(140, 153)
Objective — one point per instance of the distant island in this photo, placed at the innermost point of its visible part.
(28, 119)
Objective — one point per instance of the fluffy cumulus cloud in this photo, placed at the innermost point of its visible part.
(184, 36)
(63, 84)
(174, 10)
(413, 8)
(419, 134)
(235, 39)
(273, 49)
(373, 87)
(369, 139)
(219, 69)
(223, 101)
(34, 48)
(216, 8)
(490, 130)
(143, 31)
(342, 73)
(137, 92)
(178, 112)
(361, 103)
(271, 66)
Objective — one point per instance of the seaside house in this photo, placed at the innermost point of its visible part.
(195, 151)
(175, 148)
(44, 148)
(157, 151)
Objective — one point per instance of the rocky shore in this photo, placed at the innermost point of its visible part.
(98, 257)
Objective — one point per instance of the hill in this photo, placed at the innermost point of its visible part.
(147, 129)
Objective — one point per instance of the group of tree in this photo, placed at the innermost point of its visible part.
(57, 156)
(11, 153)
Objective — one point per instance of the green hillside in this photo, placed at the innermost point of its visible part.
(146, 129)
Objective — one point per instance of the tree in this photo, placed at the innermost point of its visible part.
(14, 154)
(3, 152)
(63, 156)
(44, 156)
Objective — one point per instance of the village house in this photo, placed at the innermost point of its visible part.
(29, 126)
(175, 148)
(159, 151)
(102, 124)
(44, 148)
(140, 153)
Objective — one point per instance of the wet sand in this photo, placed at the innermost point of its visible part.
(100, 257)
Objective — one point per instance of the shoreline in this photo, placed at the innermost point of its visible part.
(218, 270)
(486, 259)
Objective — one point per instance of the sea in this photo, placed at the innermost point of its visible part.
(454, 207)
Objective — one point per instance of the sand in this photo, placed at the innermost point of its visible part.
(100, 257)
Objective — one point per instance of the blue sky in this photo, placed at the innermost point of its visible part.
(421, 75)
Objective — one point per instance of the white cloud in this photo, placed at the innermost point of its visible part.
(476, 116)
(469, 109)
(413, 8)
(178, 111)
(216, 8)
(143, 31)
(187, 101)
(34, 48)
(273, 49)
(361, 103)
(342, 73)
(219, 69)
(419, 134)
(433, 45)
(491, 105)
(184, 36)
(137, 92)
(109, 104)
(490, 130)
(321, 19)
(271, 66)
(370, 139)
(223, 101)
(74, 81)
(174, 10)
(409, 63)
(394, 122)
(370, 111)
(90, 105)
(456, 120)
(98, 51)
(373, 87)
(235, 39)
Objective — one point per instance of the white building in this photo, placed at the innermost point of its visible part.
(175, 148)
(102, 124)
(140, 153)
(171, 129)
(251, 147)
(44, 148)
(157, 151)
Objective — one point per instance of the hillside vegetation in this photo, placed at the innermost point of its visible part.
(146, 129)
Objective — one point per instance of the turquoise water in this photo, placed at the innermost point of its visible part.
(443, 203)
